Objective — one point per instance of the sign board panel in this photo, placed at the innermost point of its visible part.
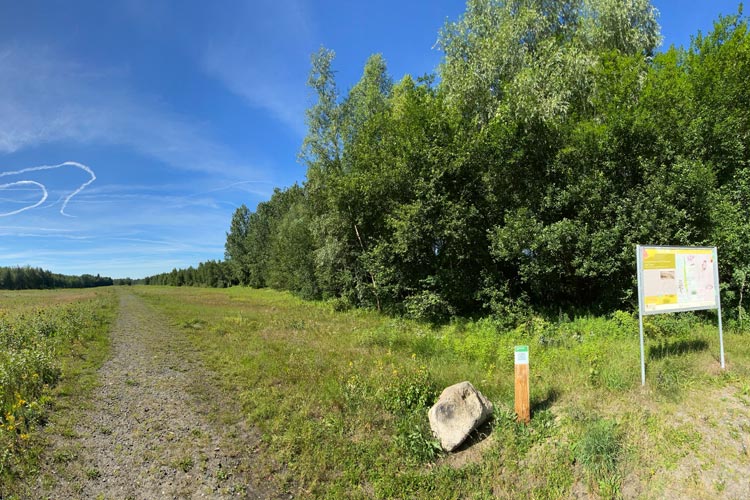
(673, 279)
(522, 354)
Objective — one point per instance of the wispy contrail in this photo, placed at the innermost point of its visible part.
(25, 183)
(43, 187)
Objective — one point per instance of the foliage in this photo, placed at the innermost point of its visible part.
(555, 139)
(210, 273)
(33, 344)
(599, 451)
(32, 278)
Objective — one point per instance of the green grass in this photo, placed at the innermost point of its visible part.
(51, 343)
(341, 397)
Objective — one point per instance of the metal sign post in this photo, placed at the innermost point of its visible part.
(718, 309)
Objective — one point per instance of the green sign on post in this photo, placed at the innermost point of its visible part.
(522, 354)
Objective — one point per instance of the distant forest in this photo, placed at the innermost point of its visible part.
(28, 278)
(552, 139)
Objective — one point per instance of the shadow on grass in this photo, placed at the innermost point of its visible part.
(538, 404)
(477, 436)
(676, 348)
(544, 403)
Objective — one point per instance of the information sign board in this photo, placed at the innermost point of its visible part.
(673, 279)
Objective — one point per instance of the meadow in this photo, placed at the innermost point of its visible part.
(51, 343)
(341, 399)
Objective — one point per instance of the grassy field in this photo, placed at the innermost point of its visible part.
(51, 343)
(341, 399)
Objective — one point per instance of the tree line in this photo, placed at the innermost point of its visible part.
(552, 139)
(34, 278)
(211, 274)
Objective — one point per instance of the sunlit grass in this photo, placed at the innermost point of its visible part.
(51, 343)
(341, 397)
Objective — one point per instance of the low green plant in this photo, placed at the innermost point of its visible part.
(672, 375)
(93, 473)
(415, 439)
(409, 390)
(36, 342)
(598, 451)
(184, 464)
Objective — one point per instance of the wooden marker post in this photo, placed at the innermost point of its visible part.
(523, 408)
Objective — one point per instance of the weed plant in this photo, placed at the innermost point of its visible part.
(598, 452)
(34, 341)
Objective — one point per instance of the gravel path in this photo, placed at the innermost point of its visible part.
(156, 428)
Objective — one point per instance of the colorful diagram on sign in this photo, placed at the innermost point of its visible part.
(678, 279)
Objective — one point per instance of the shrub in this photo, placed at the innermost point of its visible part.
(428, 306)
(410, 391)
(598, 450)
(414, 437)
(30, 345)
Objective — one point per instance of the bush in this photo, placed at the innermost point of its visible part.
(428, 306)
(340, 304)
(410, 391)
(30, 345)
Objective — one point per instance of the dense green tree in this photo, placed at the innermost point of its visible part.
(29, 278)
(236, 250)
(554, 141)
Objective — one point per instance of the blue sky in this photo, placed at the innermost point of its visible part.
(157, 119)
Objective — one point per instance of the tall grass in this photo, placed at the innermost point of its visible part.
(33, 342)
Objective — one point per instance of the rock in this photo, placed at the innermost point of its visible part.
(459, 410)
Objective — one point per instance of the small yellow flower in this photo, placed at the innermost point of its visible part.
(24, 437)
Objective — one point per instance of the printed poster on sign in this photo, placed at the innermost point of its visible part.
(678, 279)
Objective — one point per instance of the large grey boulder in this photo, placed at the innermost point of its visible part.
(459, 410)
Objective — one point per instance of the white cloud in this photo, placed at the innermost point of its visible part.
(251, 56)
(45, 97)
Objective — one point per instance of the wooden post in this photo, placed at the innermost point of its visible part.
(523, 407)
